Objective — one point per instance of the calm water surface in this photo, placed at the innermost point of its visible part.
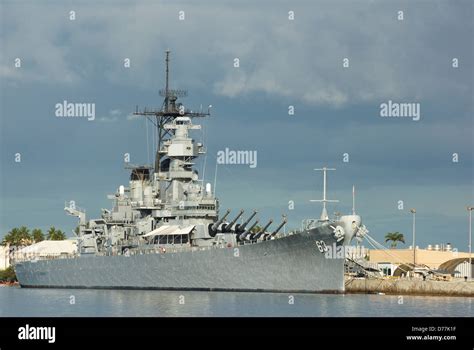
(15, 301)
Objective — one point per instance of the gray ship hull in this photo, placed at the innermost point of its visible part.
(292, 263)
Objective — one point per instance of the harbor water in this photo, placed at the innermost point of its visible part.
(24, 302)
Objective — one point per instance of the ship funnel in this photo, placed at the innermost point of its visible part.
(241, 227)
(213, 228)
(262, 231)
(228, 227)
(246, 232)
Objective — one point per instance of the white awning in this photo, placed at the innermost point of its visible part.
(161, 229)
(170, 230)
(151, 233)
(184, 231)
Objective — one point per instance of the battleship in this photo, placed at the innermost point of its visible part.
(165, 230)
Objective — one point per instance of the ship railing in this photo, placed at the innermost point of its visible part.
(163, 249)
(23, 257)
(112, 221)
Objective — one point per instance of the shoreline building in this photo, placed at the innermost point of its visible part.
(442, 257)
(4, 257)
(46, 249)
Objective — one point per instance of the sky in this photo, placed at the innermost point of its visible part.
(282, 63)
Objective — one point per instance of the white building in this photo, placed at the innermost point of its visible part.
(47, 249)
(462, 270)
(4, 257)
(387, 268)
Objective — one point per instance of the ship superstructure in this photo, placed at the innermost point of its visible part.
(167, 204)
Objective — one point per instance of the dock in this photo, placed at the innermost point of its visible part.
(458, 288)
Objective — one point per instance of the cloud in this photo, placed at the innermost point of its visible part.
(132, 117)
(300, 60)
(107, 119)
(281, 63)
(113, 116)
(34, 34)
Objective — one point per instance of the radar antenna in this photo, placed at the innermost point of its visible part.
(169, 111)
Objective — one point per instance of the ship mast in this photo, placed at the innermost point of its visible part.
(353, 201)
(169, 111)
(167, 79)
(324, 213)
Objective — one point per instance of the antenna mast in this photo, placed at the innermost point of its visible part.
(167, 80)
(353, 200)
(324, 213)
(169, 111)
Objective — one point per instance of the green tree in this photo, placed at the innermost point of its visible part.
(18, 237)
(394, 237)
(37, 235)
(55, 234)
(8, 275)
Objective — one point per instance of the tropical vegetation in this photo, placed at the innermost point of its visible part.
(394, 238)
(8, 275)
(55, 234)
(21, 236)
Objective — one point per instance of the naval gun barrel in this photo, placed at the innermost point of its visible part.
(246, 232)
(262, 231)
(228, 227)
(220, 221)
(285, 220)
(213, 228)
(241, 227)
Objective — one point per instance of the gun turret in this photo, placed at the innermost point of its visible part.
(262, 231)
(228, 227)
(246, 232)
(285, 220)
(213, 227)
(240, 228)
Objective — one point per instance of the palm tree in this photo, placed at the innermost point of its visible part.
(55, 234)
(37, 235)
(18, 237)
(394, 237)
(11, 237)
(24, 236)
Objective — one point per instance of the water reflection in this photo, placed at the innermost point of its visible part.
(58, 302)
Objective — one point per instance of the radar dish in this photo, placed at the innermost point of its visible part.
(171, 92)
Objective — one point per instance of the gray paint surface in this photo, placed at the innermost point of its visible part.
(290, 263)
